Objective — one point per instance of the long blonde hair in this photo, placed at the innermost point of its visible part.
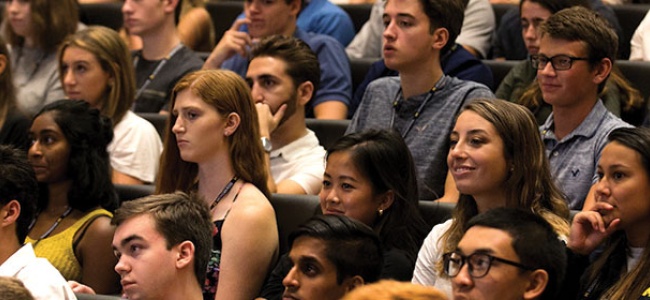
(114, 58)
(228, 93)
(529, 184)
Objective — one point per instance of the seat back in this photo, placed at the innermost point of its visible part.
(290, 212)
(105, 14)
(435, 212)
(223, 14)
(327, 131)
(358, 69)
(159, 121)
(500, 69)
(637, 73)
(359, 13)
(128, 192)
(629, 16)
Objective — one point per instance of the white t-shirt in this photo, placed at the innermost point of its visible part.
(425, 272)
(37, 274)
(301, 161)
(136, 148)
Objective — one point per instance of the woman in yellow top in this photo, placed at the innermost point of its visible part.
(72, 228)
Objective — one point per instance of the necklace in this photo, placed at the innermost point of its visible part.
(49, 231)
(155, 72)
(224, 192)
(416, 115)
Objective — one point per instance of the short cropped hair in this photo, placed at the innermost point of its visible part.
(302, 62)
(14, 289)
(447, 14)
(178, 217)
(394, 290)
(534, 241)
(584, 25)
(18, 182)
(352, 247)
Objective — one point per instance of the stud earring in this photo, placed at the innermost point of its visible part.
(381, 212)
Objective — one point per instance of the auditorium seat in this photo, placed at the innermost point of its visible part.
(435, 212)
(500, 69)
(96, 297)
(223, 14)
(127, 192)
(637, 73)
(159, 121)
(629, 16)
(358, 69)
(105, 14)
(327, 131)
(359, 13)
(290, 212)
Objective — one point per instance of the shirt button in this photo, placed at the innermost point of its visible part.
(555, 153)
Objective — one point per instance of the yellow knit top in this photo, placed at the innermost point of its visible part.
(58, 248)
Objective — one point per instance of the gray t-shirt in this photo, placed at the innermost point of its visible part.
(428, 138)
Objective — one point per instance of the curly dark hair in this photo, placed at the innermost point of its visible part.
(88, 133)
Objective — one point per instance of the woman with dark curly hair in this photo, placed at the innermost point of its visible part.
(72, 227)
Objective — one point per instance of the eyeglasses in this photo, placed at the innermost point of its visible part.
(478, 263)
(559, 62)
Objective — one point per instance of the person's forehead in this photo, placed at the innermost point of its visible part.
(267, 65)
(495, 241)
(413, 8)
(141, 227)
(307, 246)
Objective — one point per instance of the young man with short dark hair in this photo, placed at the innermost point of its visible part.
(507, 253)
(18, 197)
(284, 75)
(421, 104)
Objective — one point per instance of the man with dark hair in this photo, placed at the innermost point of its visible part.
(576, 54)
(18, 197)
(266, 18)
(507, 253)
(163, 59)
(162, 243)
(284, 74)
(331, 255)
(422, 102)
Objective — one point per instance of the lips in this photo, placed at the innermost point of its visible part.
(388, 49)
(126, 284)
(181, 143)
(330, 211)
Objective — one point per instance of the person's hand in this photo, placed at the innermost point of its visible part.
(79, 288)
(233, 42)
(589, 229)
(267, 120)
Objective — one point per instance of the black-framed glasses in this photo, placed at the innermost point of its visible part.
(478, 263)
(559, 62)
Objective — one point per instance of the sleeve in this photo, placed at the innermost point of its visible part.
(368, 41)
(640, 43)
(335, 24)
(478, 92)
(478, 25)
(335, 80)
(430, 253)
(273, 288)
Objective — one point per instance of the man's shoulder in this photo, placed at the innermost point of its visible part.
(384, 83)
(318, 41)
(470, 89)
(187, 59)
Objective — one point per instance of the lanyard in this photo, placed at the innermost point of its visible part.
(416, 115)
(155, 72)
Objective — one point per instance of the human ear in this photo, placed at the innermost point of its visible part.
(185, 254)
(386, 200)
(440, 38)
(305, 91)
(537, 282)
(232, 123)
(3, 63)
(353, 282)
(602, 70)
(9, 213)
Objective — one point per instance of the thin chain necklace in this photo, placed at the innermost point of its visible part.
(49, 231)
(224, 192)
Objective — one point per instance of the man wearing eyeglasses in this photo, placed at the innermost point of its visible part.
(576, 54)
(507, 254)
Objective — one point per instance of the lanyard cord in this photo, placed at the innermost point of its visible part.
(155, 72)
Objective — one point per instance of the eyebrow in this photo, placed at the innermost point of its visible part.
(129, 239)
(479, 250)
(342, 177)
